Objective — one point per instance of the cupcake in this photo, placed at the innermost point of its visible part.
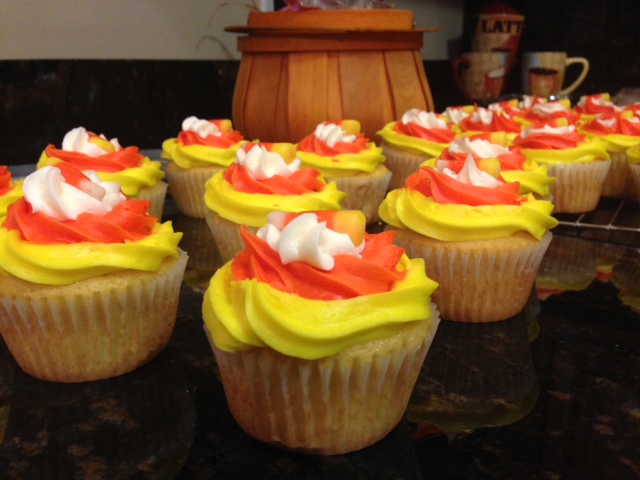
(481, 240)
(10, 190)
(484, 120)
(407, 143)
(202, 149)
(578, 163)
(265, 177)
(89, 282)
(595, 104)
(138, 176)
(633, 159)
(312, 325)
(341, 153)
(620, 131)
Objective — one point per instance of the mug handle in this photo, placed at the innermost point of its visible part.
(455, 72)
(585, 69)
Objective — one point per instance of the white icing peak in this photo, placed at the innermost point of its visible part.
(424, 119)
(548, 129)
(600, 101)
(482, 115)
(332, 133)
(455, 114)
(549, 108)
(47, 191)
(306, 239)
(479, 148)
(607, 122)
(78, 140)
(470, 174)
(203, 128)
(263, 164)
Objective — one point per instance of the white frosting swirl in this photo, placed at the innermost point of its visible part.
(549, 108)
(203, 128)
(530, 130)
(332, 133)
(47, 191)
(262, 164)
(470, 174)
(479, 148)
(482, 115)
(600, 101)
(78, 140)
(306, 239)
(424, 119)
(455, 114)
(607, 122)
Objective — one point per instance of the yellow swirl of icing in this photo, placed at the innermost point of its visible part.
(533, 178)
(10, 197)
(417, 145)
(593, 150)
(405, 208)
(252, 208)
(190, 156)
(344, 164)
(243, 314)
(62, 264)
(616, 142)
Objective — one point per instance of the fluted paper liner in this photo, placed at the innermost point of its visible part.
(635, 175)
(226, 235)
(578, 186)
(479, 280)
(93, 329)
(155, 195)
(401, 164)
(187, 187)
(328, 406)
(364, 191)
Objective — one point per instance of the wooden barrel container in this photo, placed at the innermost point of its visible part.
(299, 69)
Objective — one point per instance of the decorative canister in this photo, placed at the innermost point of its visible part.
(299, 69)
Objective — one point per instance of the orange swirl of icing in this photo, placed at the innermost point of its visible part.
(6, 180)
(621, 125)
(225, 140)
(595, 104)
(129, 157)
(514, 160)
(375, 271)
(444, 189)
(312, 144)
(549, 141)
(499, 123)
(303, 181)
(437, 135)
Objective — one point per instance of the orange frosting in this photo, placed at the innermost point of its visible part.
(6, 183)
(514, 160)
(437, 135)
(313, 144)
(622, 126)
(374, 272)
(549, 141)
(499, 123)
(226, 140)
(129, 157)
(300, 182)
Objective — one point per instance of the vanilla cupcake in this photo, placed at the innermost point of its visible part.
(312, 325)
(89, 282)
(408, 142)
(10, 190)
(139, 177)
(578, 163)
(265, 177)
(341, 153)
(202, 149)
(480, 239)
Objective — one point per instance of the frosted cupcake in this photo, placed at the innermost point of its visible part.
(620, 131)
(312, 326)
(202, 149)
(265, 177)
(578, 163)
(484, 120)
(139, 177)
(10, 190)
(408, 142)
(480, 239)
(89, 282)
(596, 104)
(341, 153)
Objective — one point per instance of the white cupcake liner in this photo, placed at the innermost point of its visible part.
(578, 187)
(635, 176)
(187, 187)
(401, 164)
(156, 196)
(618, 182)
(226, 235)
(333, 405)
(93, 329)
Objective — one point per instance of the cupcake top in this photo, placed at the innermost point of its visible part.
(70, 226)
(267, 177)
(203, 143)
(339, 149)
(467, 205)
(599, 103)
(487, 120)
(87, 151)
(309, 285)
(541, 113)
(418, 131)
(10, 190)
(620, 130)
(560, 144)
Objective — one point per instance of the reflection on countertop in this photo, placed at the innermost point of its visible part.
(553, 392)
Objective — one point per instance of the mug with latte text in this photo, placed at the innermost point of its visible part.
(543, 73)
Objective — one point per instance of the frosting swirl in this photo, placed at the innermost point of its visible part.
(10, 191)
(420, 132)
(621, 131)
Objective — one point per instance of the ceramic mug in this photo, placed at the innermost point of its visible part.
(543, 73)
(480, 75)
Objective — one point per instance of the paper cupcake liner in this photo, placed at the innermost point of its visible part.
(401, 164)
(187, 187)
(578, 186)
(618, 183)
(156, 196)
(482, 280)
(635, 176)
(93, 329)
(226, 235)
(364, 191)
(333, 405)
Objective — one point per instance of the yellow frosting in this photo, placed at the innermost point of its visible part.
(190, 156)
(62, 264)
(616, 142)
(416, 145)
(10, 197)
(344, 164)
(245, 314)
(406, 208)
(252, 208)
(591, 151)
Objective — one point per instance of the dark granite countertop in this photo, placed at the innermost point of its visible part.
(551, 393)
